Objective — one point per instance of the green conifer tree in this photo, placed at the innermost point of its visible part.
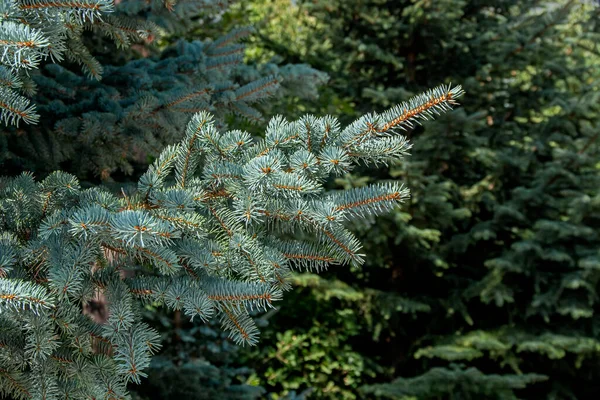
(499, 238)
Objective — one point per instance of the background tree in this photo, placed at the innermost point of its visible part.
(499, 240)
(130, 105)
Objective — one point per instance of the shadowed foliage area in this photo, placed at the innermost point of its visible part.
(498, 244)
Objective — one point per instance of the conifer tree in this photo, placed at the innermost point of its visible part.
(32, 31)
(117, 116)
(499, 236)
(214, 228)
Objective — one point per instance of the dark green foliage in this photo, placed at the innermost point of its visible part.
(194, 380)
(456, 380)
(500, 236)
(197, 362)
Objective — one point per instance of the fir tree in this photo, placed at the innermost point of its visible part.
(118, 116)
(499, 236)
(213, 230)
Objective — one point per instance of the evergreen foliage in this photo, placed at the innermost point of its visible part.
(499, 237)
(455, 379)
(32, 31)
(213, 230)
(97, 127)
(197, 361)
(323, 352)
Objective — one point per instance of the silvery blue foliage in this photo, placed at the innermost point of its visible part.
(214, 229)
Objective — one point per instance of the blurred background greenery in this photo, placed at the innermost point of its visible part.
(485, 285)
